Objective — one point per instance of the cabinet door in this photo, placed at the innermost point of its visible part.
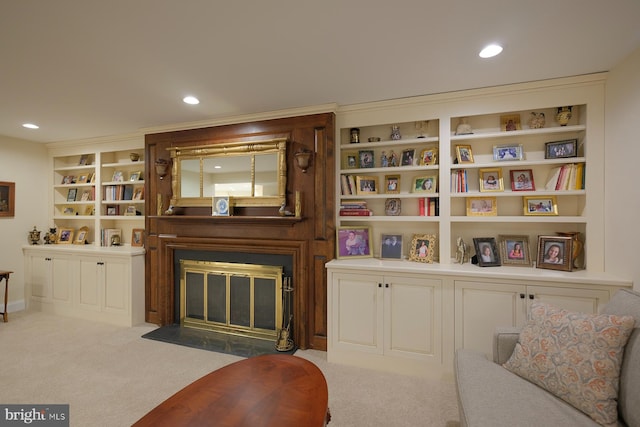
(40, 276)
(482, 307)
(90, 283)
(357, 312)
(580, 300)
(116, 285)
(413, 325)
(61, 279)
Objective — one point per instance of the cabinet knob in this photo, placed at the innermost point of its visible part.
(531, 296)
(521, 296)
(379, 285)
(47, 259)
(100, 263)
(386, 285)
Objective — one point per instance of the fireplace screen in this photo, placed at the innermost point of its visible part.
(240, 299)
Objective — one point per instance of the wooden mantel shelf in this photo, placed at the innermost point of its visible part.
(262, 220)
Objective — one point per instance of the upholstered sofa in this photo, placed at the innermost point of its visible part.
(489, 395)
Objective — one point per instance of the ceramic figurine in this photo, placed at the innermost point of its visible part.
(537, 120)
(34, 236)
(395, 133)
(463, 128)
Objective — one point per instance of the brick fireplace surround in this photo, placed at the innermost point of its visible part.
(309, 240)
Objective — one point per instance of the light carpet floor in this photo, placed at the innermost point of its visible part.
(111, 377)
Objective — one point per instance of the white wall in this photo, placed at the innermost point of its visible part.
(622, 163)
(26, 164)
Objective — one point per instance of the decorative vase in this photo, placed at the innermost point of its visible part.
(577, 246)
(134, 157)
(537, 120)
(34, 236)
(563, 115)
(51, 237)
(395, 133)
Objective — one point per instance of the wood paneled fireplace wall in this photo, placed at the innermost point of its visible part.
(308, 239)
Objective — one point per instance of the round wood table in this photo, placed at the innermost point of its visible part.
(271, 390)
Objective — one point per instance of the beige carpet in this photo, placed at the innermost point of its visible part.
(111, 376)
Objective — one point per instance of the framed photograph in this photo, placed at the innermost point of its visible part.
(350, 160)
(522, 180)
(138, 193)
(490, 180)
(514, 250)
(71, 194)
(68, 179)
(555, 253)
(366, 158)
(221, 206)
(118, 176)
(7, 199)
(354, 242)
(464, 154)
(89, 210)
(407, 157)
(137, 237)
(486, 251)
(366, 185)
(392, 184)
(84, 159)
(69, 210)
(81, 237)
(392, 207)
(112, 210)
(91, 177)
(510, 122)
(424, 184)
(482, 206)
(135, 176)
(86, 196)
(65, 235)
(83, 179)
(540, 205)
(429, 156)
(130, 211)
(561, 149)
(422, 248)
(391, 246)
(508, 152)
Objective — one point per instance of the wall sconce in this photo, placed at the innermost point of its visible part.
(302, 159)
(162, 167)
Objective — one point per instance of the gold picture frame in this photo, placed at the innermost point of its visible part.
(65, 236)
(540, 205)
(354, 242)
(482, 206)
(422, 248)
(366, 184)
(425, 184)
(510, 122)
(392, 184)
(464, 154)
(491, 180)
(429, 156)
(350, 160)
(81, 236)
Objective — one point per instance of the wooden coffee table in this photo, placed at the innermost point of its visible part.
(272, 390)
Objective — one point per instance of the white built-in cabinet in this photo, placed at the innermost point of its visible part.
(101, 284)
(454, 305)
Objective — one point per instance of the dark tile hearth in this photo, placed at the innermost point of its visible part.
(214, 341)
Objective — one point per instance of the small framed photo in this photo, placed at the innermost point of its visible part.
(366, 184)
(81, 237)
(392, 207)
(350, 160)
(422, 248)
(135, 176)
(118, 176)
(555, 253)
(65, 235)
(112, 210)
(424, 184)
(89, 210)
(561, 149)
(7, 199)
(540, 205)
(69, 210)
(509, 122)
(366, 158)
(482, 206)
(84, 160)
(221, 206)
(486, 251)
(508, 152)
(68, 179)
(491, 179)
(354, 242)
(464, 154)
(408, 157)
(514, 250)
(522, 180)
(83, 179)
(392, 184)
(138, 193)
(130, 211)
(429, 156)
(86, 196)
(391, 246)
(72, 194)
(137, 237)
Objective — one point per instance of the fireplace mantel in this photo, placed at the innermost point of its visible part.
(309, 238)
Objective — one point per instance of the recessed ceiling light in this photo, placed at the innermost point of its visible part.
(490, 51)
(191, 100)
(30, 126)
(217, 167)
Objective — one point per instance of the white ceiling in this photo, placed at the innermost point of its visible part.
(89, 68)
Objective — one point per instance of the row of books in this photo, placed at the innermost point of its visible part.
(429, 206)
(459, 182)
(348, 185)
(123, 192)
(566, 177)
(355, 208)
(110, 237)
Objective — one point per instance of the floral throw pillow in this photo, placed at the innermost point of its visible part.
(574, 356)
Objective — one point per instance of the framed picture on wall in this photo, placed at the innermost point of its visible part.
(7, 199)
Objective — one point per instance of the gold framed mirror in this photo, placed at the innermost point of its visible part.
(251, 173)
